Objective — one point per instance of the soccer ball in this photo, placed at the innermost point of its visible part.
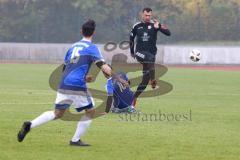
(195, 55)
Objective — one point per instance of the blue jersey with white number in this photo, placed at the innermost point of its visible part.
(123, 97)
(78, 61)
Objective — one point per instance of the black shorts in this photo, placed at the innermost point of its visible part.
(145, 57)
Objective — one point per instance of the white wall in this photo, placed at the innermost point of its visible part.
(209, 55)
(166, 54)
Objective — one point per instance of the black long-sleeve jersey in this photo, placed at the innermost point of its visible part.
(146, 37)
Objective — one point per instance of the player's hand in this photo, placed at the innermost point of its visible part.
(156, 23)
(163, 26)
(89, 78)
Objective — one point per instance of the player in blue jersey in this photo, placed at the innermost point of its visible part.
(122, 96)
(73, 89)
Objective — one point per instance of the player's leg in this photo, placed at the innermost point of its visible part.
(83, 102)
(151, 68)
(123, 102)
(46, 117)
(145, 80)
(40, 120)
(61, 104)
(150, 59)
(153, 81)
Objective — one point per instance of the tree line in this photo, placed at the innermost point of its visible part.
(59, 21)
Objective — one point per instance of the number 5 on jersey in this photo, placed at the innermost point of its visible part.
(75, 54)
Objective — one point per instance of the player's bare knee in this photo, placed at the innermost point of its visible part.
(59, 113)
(90, 113)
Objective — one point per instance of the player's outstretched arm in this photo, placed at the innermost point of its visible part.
(107, 71)
(161, 27)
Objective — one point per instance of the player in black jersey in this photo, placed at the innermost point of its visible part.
(146, 49)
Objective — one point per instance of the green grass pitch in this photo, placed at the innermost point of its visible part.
(212, 133)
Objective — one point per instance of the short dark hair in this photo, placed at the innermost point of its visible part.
(147, 9)
(88, 28)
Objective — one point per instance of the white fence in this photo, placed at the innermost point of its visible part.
(209, 55)
(48, 53)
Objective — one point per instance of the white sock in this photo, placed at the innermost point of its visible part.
(82, 126)
(43, 118)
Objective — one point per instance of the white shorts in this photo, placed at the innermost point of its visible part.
(81, 100)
